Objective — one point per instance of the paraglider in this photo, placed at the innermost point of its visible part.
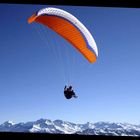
(69, 93)
(70, 28)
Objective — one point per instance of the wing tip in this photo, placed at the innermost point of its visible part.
(32, 18)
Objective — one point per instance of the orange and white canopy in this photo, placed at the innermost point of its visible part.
(70, 28)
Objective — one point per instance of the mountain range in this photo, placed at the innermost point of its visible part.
(65, 127)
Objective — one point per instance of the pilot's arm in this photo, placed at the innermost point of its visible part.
(65, 87)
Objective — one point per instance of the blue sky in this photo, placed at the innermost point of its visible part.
(35, 65)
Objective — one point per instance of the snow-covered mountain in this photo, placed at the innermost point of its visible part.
(65, 127)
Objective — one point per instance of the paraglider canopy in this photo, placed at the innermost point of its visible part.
(70, 28)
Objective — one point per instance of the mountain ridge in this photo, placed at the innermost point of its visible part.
(65, 127)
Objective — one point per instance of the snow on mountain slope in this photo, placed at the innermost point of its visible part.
(65, 127)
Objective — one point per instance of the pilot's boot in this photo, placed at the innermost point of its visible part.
(75, 96)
